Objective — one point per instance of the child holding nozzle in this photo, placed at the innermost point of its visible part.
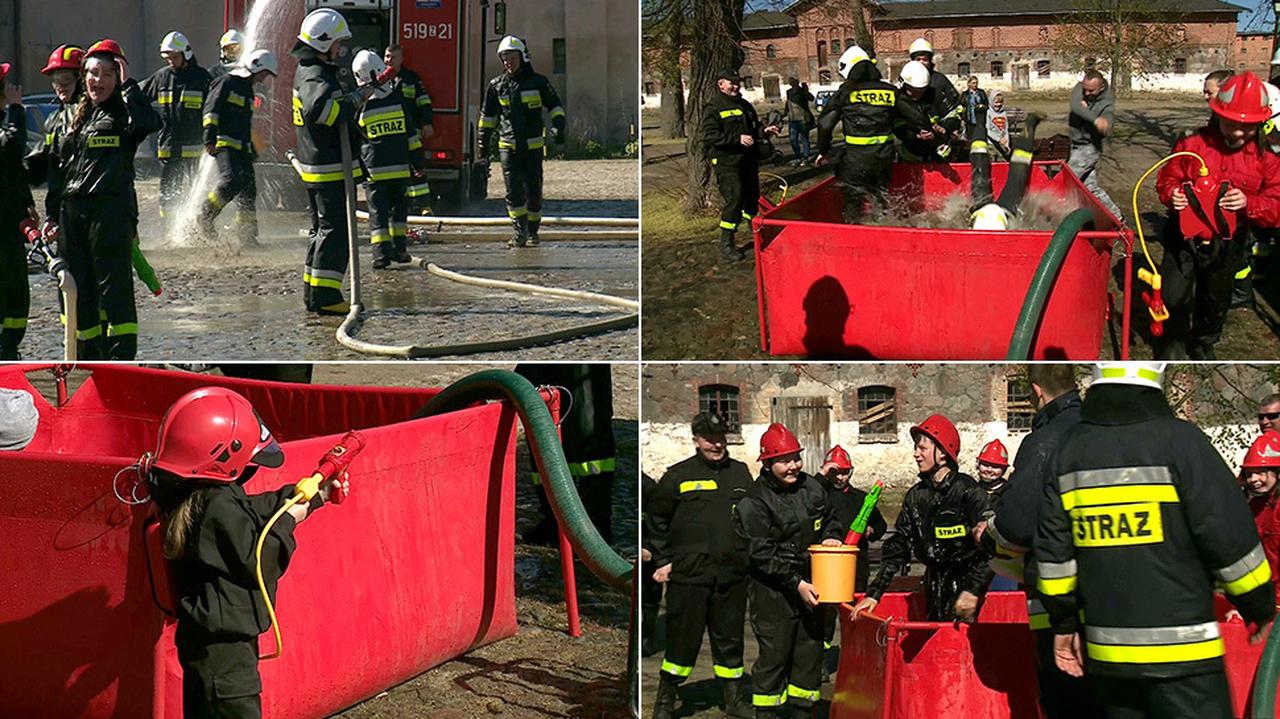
(211, 443)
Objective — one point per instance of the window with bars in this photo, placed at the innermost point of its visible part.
(877, 414)
(1018, 407)
(722, 400)
(1042, 68)
(1180, 65)
(835, 47)
(997, 68)
(771, 51)
(962, 69)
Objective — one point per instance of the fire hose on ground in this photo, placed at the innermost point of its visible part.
(345, 333)
(1024, 330)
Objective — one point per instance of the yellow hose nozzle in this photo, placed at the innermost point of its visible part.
(308, 487)
(1149, 277)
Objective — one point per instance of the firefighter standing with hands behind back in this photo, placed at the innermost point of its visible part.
(1137, 524)
(513, 107)
(732, 132)
(703, 563)
(783, 514)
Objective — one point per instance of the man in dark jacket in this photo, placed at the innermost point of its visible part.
(938, 516)
(698, 556)
(1010, 534)
(1139, 521)
(179, 88)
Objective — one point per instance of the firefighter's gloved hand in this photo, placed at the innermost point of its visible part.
(808, 593)
(1066, 654)
(967, 607)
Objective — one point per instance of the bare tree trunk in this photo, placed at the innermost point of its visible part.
(860, 32)
(719, 46)
(670, 75)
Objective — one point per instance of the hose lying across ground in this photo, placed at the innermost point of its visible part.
(547, 221)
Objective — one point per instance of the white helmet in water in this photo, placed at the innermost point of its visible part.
(322, 28)
(367, 67)
(176, 42)
(991, 217)
(915, 74)
(514, 44)
(1141, 374)
(851, 57)
(257, 61)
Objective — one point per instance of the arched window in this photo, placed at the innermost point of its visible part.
(770, 51)
(1044, 34)
(848, 43)
(822, 53)
(995, 37)
(835, 47)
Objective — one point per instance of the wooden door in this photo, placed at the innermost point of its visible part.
(810, 419)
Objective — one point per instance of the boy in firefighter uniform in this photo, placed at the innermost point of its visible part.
(868, 108)
(409, 85)
(321, 110)
(99, 222)
(703, 563)
(15, 205)
(938, 516)
(386, 124)
(732, 132)
(930, 140)
(783, 513)
(228, 137)
(179, 88)
(1137, 524)
(513, 107)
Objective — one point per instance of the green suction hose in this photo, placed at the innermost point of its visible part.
(1264, 682)
(540, 429)
(1042, 283)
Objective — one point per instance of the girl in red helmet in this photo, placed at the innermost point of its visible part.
(211, 443)
(1258, 475)
(782, 514)
(935, 526)
(99, 208)
(1242, 191)
(993, 463)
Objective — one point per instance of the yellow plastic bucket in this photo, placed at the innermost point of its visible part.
(833, 572)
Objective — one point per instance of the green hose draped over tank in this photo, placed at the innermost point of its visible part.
(1264, 682)
(544, 441)
(1024, 330)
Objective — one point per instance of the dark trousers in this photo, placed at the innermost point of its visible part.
(389, 215)
(522, 173)
(799, 133)
(651, 602)
(220, 679)
(1198, 280)
(739, 185)
(97, 242)
(1203, 696)
(327, 253)
(789, 668)
(863, 175)
(175, 179)
(1062, 696)
(236, 181)
(15, 292)
(721, 612)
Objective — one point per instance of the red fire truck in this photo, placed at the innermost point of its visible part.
(437, 45)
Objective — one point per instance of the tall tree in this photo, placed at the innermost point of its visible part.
(718, 46)
(666, 42)
(1126, 38)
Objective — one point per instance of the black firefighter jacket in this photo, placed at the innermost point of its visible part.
(513, 107)
(99, 157)
(181, 96)
(725, 120)
(44, 164)
(228, 114)
(690, 521)
(779, 522)
(320, 110)
(15, 195)
(1140, 519)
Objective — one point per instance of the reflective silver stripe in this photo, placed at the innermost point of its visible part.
(1242, 566)
(1000, 539)
(1057, 570)
(1119, 476)
(1152, 635)
(321, 169)
(327, 274)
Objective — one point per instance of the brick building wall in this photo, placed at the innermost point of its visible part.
(1252, 51)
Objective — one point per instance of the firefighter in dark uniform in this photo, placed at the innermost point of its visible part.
(846, 501)
(99, 209)
(586, 433)
(513, 106)
(732, 132)
(409, 84)
(211, 527)
(1139, 521)
(387, 127)
(1009, 536)
(650, 588)
(228, 136)
(703, 563)
(179, 88)
(868, 108)
(15, 205)
(930, 140)
(936, 523)
(321, 110)
(783, 513)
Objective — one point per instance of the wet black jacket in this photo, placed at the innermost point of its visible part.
(228, 114)
(845, 505)
(181, 96)
(44, 164)
(387, 129)
(216, 576)
(868, 109)
(724, 120)
(15, 195)
(513, 106)
(1140, 519)
(320, 108)
(410, 86)
(99, 157)
(690, 526)
(933, 108)
(779, 522)
(935, 526)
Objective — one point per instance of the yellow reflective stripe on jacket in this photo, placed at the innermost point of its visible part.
(1113, 372)
(812, 695)
(1154, 645)
(210, 119)
(297, 110)
(233, 143)
(1245, 574)
(723, 672)
(726, 225)
(330, 112)
(124, 328)
(557, 111)
(734, 112)
(13, 323)
(534, 143)
(487, 122)
(768, 700)
(1037, 617)
(408, 91)
(596, 466)
(504, 101)
(237, 99)
(1056, 578)
(697, 485)
(48, 138)
(678, 670)
(415, 141)
(423, 100)
(164, 97)
(393, 113)
(394, 172)
(1096, 496)
(532, 98)
(418, 190)
(873, 140)
(325, 173)
(324, 278)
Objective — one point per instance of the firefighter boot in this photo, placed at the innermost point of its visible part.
(664, 706)
(737, 700)
(1242, 293)
(533, 232)
(521, 237)
(728, 250)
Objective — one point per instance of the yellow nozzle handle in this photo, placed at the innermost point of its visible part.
(1149, 277)
(308, 487)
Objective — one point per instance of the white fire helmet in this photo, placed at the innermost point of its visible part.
(176, 42)
(366, 67)
(322, 28)
(991, 217)
(1273, 98)
(511, 42)
(920, 45)
(257, 61)
(915, 74)
(1141, 374)
(851, 57)
(231, 37)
